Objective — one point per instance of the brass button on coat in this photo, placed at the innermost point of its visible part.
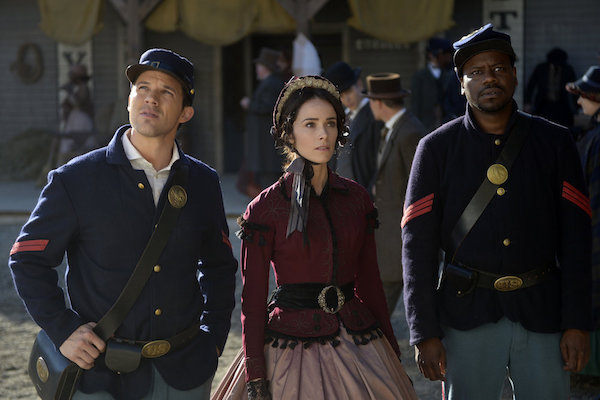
(157, 268)
(157, 312)
(141, 185)
(500, 191)
(506, 242)
(497, 142)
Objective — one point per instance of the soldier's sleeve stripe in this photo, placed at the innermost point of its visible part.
(573, 195)
(419, 207)
(29, 245)
(225, 239)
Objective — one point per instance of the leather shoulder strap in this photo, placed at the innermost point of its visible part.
(177, 197)
(487, 189)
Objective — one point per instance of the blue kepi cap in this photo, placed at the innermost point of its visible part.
(483, 39)
(165, 61)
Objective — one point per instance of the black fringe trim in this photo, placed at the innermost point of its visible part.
(373, 220)
(283, 341)
(248, 230)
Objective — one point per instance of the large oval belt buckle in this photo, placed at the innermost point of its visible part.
(497, 174)
(508, 283)
(156, 348)
(323, 301)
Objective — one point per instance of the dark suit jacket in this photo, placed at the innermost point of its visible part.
(358, 158)
(390, 181)
(260, 152)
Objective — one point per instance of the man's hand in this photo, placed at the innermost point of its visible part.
(83, 346)
(575, 349)
(430, 356)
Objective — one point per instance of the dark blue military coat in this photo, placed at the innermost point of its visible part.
(540, 217)
(101, 211)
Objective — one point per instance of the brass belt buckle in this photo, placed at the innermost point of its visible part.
(156, 348)
(508, 283)
(323, 302)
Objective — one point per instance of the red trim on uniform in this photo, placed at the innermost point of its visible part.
(225, 239)
(419, 207)
(573, 195)
(29, 245)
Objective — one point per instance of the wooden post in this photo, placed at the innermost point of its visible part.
(133, 13)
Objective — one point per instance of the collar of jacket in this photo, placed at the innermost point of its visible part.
(471, 125)
(115, 154)
(334, 182)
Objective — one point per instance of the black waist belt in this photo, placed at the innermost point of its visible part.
(508, 283)
(301, 296)
(160, 347)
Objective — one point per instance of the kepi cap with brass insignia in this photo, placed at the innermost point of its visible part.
(483, 39)
(165, 61)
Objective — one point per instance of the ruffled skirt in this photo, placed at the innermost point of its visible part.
(322, 371)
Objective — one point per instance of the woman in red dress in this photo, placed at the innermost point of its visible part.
(324, 332)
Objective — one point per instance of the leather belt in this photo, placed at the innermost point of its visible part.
(160, 347)
(509, 283)
(329, 298)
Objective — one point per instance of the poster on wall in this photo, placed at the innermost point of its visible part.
(508, 17)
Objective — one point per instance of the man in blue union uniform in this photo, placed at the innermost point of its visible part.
(514, 290)
(101, 208)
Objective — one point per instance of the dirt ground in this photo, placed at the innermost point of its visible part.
(17, 333)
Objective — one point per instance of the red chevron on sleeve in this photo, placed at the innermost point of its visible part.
(419, 207)
(571, 193)
(225, 239)
(29, 245)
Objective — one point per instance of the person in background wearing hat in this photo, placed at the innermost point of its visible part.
(76, 117)
(397, 143)
(545, 95)
(428, 85)
(324, 332)
(588, 90)
(357, 159)
(101, 209)
(514, 293)
(262, 163)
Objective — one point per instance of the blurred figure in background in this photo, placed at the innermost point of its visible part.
(588, 90)
(544, 94)
(357, 159)
(428, 84)
(262, 163)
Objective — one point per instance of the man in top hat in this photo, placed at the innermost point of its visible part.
(396, 147)
(101, 209)
(429, 85)
(357, 159)
(503, 195)
(262, 160)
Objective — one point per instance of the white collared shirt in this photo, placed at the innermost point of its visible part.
(389, 125)
(156, 179)
(390, 122)
(351, 114)
(435, 71)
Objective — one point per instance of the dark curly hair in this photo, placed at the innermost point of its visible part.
(285, 114)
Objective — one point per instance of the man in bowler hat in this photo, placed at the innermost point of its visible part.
(101, 209)
(396, 146)
(357, 159)
(503, 195)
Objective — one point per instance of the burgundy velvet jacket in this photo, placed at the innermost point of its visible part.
(350, 243)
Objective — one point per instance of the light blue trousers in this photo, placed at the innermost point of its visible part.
(478, 361)
(159, 390)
